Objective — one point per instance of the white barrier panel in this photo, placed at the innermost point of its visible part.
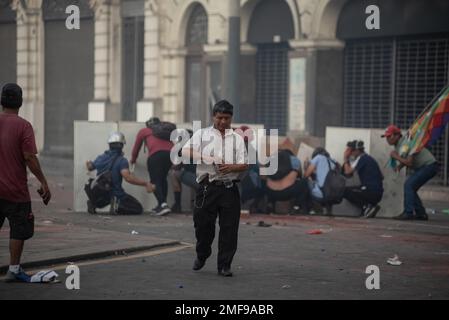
(377, 147)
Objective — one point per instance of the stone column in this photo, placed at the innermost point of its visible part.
(151, 102)
(233, 58)
(105, 106)
(30, 63)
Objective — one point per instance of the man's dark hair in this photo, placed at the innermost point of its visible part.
(11, 96)
(153, 121)
(356, 145)
(223, 107)
(320, 151)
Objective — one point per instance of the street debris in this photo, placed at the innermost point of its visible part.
(263, 224)
(430, 211)
(394, 261)
(47, 222)
(134, 233)
(315, 232)
(386, 236)
(45, 277)
(286, 286)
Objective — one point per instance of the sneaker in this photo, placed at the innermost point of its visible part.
(156, 209)
(162, 210)
(21, 276)
(90, 208)
(422, 217)
(404, 216)
(371, 211)
(176, 208)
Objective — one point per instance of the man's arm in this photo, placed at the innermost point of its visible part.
(310, 170)
(137, 147)
(33, 164)
(132, 179)
(407, 162)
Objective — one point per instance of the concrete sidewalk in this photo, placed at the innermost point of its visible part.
(57, 243)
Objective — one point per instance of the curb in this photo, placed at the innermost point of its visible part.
(89, 256)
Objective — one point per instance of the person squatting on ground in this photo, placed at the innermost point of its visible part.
(114, 161)
(315, 174)
(252, 186)
(218, 193)
(368, 195)
(158, 163)
(183, 174)
(286, 183)
(424, 167)
(17, 152)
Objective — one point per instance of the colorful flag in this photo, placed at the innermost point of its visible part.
(429, 126)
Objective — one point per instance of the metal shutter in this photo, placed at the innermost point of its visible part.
(272, 86)
(421, 72)
(368, 83)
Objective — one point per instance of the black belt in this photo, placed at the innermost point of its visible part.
(219, 183)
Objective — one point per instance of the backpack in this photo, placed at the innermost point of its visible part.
(98, 190)
(163, 130)
(284, 165)
(334, 186)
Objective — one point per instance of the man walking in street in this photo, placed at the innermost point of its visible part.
(424, 166)
(218, 195)
(17, 152)
(158, 163)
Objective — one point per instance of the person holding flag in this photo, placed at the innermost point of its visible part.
(411, 151)
(424, 166)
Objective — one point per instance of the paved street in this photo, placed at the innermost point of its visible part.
(281, 261)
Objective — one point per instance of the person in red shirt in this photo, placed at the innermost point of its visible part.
(158, 163)
(17, 152)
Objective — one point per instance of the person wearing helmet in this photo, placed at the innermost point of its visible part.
(368, 195)
(114, 160)
(17, 152)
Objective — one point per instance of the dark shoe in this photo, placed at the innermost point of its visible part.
(176, 208)
(371, 211)
(198, 264)
(404, 216)
(422, 217)
(90, 207)
(226, 272)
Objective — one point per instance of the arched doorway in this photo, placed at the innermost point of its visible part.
(195, 39)
(270, 28)
(8, 34)
(391, 74)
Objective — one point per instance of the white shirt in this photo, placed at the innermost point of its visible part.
(209, 142)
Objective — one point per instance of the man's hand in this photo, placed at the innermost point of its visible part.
(45, 193)
(229, 168)
(150, 187)
(395, 155)
(347, 154)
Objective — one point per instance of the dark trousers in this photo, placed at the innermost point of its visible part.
(159, 165)
(360, 197)
(210, 202)
(299, 192)
(128, 205)
(412, 202)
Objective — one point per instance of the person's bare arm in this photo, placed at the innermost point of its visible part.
(309, 171)
(407, 162)
(132, 179)
(32, 162)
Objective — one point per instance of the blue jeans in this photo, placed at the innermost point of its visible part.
(412, 202)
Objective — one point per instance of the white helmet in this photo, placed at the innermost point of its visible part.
(117, 137)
